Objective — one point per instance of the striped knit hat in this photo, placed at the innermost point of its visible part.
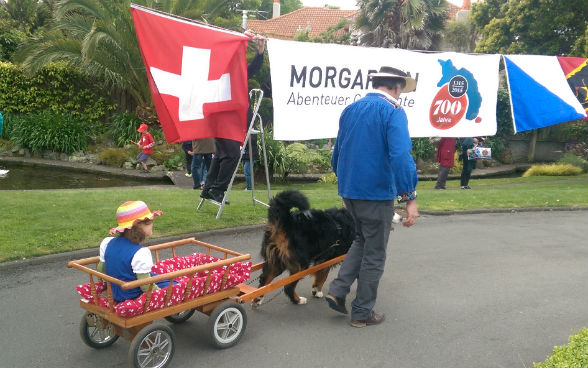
(131, 212)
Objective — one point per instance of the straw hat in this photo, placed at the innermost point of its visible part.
(131, 212)
(389, 72)
(143, 127)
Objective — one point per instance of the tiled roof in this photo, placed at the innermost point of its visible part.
(453, 9)
(286, 26)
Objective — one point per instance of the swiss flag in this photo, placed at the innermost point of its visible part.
(197, 76)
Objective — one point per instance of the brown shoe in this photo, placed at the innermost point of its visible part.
(373, 319)
(336, 304)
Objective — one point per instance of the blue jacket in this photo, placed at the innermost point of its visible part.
(371, 157)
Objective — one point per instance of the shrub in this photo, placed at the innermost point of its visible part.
(114, 156)
(50, 131)
(174, 162)
(170, 155)
(124, 128)
(552, 170)
(329, 178)
(458, 164)
(297, 159)
(321, 160)
(576, 130)
(422, 148)
(574, 354)
(275, 152)
(572, 159)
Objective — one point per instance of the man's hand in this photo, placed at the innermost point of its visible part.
(412, 213)
(260, 43)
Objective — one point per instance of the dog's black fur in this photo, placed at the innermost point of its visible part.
(294, 240)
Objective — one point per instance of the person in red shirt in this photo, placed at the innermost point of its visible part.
(445, 158)
(145, 143)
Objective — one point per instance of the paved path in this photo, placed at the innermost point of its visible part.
(486, 290)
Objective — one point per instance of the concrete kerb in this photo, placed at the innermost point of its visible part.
(91, 252)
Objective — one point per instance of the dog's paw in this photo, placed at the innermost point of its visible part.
(316, 293)
(257, 302)
(302, 300)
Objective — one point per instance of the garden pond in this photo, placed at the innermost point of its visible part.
(26, 176)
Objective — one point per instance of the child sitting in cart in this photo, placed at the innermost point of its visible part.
(123, 256)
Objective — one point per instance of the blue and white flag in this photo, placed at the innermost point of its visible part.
(540, 95)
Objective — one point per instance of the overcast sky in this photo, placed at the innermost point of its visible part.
(351, 4)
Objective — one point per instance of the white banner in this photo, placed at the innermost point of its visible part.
(312, 83)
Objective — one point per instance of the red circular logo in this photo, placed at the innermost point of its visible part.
(447, 110)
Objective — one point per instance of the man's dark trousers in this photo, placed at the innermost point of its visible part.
(367, 256)
(223, 164)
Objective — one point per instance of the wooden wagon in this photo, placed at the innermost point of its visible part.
(209, 288)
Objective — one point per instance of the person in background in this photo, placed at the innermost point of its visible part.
(227, 151)
(468, 165)
(374, 128)
(445, 158)
(146, 143)
(202, 151)
(187, 148)
(1, 123)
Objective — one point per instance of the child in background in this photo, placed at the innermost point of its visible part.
(145, 143)
(123, 256)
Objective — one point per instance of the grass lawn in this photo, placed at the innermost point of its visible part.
(39, 222)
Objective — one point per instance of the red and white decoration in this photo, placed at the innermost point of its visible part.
(239, 272)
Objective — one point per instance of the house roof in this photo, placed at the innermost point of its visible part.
(286, 26)
(453, 9)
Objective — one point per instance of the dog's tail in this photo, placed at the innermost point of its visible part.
(282, 203)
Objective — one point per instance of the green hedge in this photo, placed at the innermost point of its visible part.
(57, 87)
(572, 355)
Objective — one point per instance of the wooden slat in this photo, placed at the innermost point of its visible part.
(257, 266)
(158, 313)
(244, 288)
(287, 280)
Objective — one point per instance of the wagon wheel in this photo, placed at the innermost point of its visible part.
(96, 332)
(227, 324)
(152, 347)
(181, 317)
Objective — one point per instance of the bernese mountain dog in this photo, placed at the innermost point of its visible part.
(297, 237)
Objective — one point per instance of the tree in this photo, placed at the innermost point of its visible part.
(460, 36)
(545, 27)
(99, 37)
(286, 6)
(407, 24)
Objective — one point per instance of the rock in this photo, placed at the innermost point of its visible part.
(128, 165)
(158, 168)
(63, 157)
(150, 162)
(92, 158)
(78, 158)
(51, 155)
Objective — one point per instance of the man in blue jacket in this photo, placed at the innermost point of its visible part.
(374, 167)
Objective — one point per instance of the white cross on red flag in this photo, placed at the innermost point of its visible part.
(197, 75)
